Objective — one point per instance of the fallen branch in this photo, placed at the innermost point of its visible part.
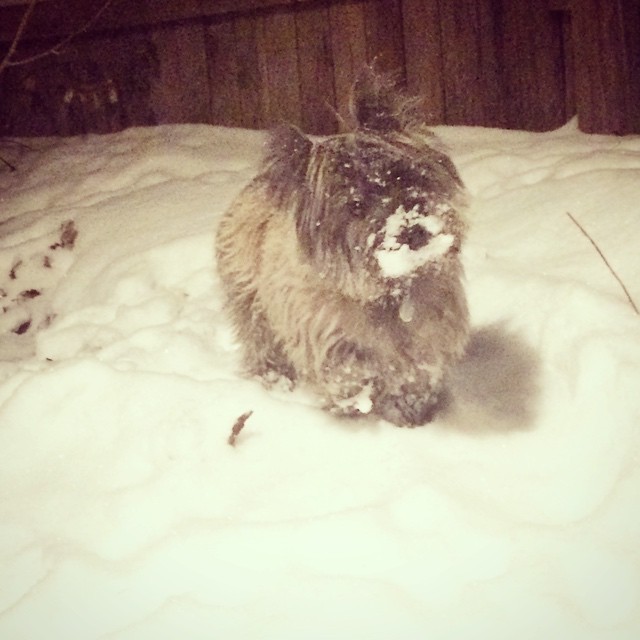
(11, 167)
(613, 273)
(238, 426)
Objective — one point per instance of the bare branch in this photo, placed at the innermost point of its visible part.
(11, 167)
(55, 49)
(16, 38)
(613, 273)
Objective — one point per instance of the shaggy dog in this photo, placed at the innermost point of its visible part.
(340, 261)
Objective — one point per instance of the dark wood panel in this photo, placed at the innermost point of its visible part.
(564, 19)
(630, 21)
(349, 48)
(315, 63)
(423, 55)
(250, 106)
(255, 63)
(97, 85)
(462, 62)
(278, 63)
(61, 17)
(223, 74)
(607, 49)
(180, 92)
(383, 27)
(531, 57)
(495, 96)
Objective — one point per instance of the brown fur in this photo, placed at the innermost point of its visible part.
(298, 253)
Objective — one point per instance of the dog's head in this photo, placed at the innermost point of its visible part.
(375, 207)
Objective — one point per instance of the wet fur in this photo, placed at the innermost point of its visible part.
(296, 253)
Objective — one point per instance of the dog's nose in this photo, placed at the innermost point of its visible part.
(415, 237)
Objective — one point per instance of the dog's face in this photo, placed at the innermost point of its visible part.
(380, 203)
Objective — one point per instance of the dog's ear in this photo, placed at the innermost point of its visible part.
(378, 105)
(286, 161)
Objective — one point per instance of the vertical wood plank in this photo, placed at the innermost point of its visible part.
(383, 25)
(597, 74)
(222, 64)
(181, 92)
(462, 62)
(250, 107)
(533, 66)
(423, 56)
(606, 53)
(630, 20)
(316, 70)
(278, 61)
(349, 47)
(494, 94)
(565, 20)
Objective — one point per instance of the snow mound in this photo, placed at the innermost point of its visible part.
(124, 512)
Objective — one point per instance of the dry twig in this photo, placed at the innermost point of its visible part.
(613, 273)
(6, 61)
(56, 49)
(238, 426)
(11, 167)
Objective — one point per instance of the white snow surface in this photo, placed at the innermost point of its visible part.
(126, 515)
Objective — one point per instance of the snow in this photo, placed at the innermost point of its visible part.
(125, 513)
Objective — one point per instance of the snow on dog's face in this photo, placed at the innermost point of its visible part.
(379, 203)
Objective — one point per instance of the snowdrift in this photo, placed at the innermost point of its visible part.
(126, 514)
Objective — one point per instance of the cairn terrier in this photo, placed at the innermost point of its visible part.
(340, 261)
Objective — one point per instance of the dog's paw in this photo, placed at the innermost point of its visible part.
(357, 403)
(275, 379)
(408, 409)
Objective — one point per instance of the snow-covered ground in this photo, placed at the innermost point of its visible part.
(126, 514)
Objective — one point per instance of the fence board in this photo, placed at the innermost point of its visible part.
(607, 47)
(250, 105)
(223, 73)
(61, 17)
(181, 55)
(316, 70)
(462, 62)
(532, 66)
(383, 27)
(349, 48)
(508, 63)
(278, 62)
(423, 55)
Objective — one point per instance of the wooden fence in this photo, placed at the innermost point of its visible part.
(529, 64)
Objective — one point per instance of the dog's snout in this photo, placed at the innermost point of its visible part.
(415, 237)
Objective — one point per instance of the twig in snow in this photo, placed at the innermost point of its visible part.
(613, 273)
(238, 426)
(11, 167)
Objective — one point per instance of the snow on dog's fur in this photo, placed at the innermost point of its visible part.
(340, 261)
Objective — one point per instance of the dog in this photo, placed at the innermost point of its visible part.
(340, 261)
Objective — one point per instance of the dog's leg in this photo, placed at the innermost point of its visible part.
(239, 245)
(264, 353)
(347, 379)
